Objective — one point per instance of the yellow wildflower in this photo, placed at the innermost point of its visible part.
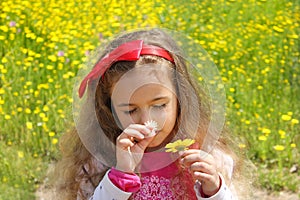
(278, 29)
(266, 131)
(29, 125)
(262, 138)
(54, 141)
(20, 154)
(282, 133)
(2, 91)
(295, 121)
(179, 145)
(51, 134)
(286, 117)
(278, 147)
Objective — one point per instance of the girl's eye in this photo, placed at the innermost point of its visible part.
(160, 106)
(129, 112)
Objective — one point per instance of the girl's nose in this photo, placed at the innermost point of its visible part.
(144, 116)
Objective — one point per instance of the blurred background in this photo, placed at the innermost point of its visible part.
(254, 43)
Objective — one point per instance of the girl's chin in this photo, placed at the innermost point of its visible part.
(157, 143)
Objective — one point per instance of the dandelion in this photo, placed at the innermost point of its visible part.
(52, 58)
(293, 145)
(294, 121)
(45, 108)
(282, 134)
(278, 29)
(29, 125)
(262, 138)
(290, 113)
(54, 141)
(4, 60)
(278, 147)
(2, 91)
(179, 145)
(266, 131)
(27, 111)
(39, 40)
(51, 134)
(286, 117)
(20, 154)
(259, 87)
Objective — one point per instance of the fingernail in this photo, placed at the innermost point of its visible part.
(180, 153)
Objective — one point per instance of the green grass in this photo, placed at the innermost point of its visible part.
(254, 43)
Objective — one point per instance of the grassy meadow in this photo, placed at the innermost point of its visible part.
(254, 43)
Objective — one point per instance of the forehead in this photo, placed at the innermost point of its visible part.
(144, 75)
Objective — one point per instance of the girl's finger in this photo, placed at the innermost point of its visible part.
(203, 177)
(134, 133)
(194, 155)
(203, 168)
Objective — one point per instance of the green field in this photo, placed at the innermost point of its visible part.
(254, 43)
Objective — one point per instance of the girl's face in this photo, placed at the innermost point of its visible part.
(138, 100)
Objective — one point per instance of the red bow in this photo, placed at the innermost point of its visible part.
(129, 51)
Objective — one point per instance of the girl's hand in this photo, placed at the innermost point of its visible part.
(203, 168)
(131, 145)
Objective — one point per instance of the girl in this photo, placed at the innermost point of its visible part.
(137, 99)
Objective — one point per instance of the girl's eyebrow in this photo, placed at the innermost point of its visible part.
(125, 104)
(153, 100)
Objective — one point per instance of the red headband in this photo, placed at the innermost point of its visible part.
(129, 51)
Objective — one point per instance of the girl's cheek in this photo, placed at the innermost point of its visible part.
(160, 117)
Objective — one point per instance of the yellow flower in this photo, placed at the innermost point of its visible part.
(278, 147)
(282, 133)
(29, 125)
(266, 131)
(293, 145)
(278, 29)
(286, 117)
(20, 154)
(295, 121)
(179, 145)
(51, 134)
(259, 87)
(27, 111)
(54, 141)
(262, 138)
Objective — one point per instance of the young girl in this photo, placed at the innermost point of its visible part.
(138, 99)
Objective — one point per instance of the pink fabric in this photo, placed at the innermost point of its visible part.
(124, 181)
(164, 182)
